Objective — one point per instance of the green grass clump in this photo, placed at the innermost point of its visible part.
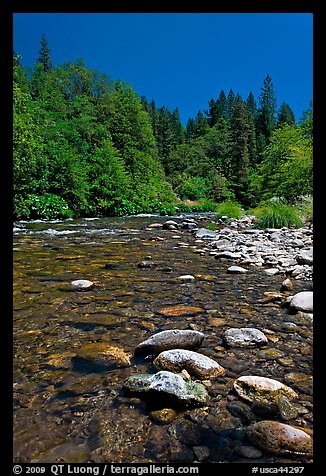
(229, 209)
(277, 216)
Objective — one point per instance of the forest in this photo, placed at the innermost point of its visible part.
(87, 145)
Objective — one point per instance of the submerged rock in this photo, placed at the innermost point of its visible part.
(267, 390)
(101, 353)
(287, 285)
(167, 384)
(244, 337)
(164, 416)
(302, 301)
(280, 438)
(196, 364)
(170, 339)
(180, 310)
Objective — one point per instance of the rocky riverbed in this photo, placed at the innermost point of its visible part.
(147, 339)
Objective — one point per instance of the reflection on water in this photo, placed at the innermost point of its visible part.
(69, 405)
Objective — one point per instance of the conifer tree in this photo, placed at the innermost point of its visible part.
(44, 56)
(285, 115)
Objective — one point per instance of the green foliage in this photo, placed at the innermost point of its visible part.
(287, 165)
(277, 215)
(47, 206)
(97, 145)
(230, 209)
(305, 207)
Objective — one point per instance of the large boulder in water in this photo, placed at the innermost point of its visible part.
(196, 364)
(170, 339)
(280, 438)
(166, 385)
(302, 301)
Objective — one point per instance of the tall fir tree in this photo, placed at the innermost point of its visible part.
(44, 57)
(285, 115)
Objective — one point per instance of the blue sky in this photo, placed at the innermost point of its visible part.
(182, 59)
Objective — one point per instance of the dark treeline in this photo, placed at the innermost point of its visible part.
(87, 145)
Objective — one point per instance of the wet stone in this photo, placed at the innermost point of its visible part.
(288, 410)
(166, 384)
(253, 387)
(244, 337)
(280, 438)
(164, 416)
(170, 339)
(180, 310)
(302, 301)
(82, 284)
(270, 354)
(196, 364)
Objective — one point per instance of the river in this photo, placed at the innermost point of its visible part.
(73, 410)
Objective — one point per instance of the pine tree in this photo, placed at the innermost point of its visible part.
(229, 104)
(266, 119)
(285, 115)
(44, 56)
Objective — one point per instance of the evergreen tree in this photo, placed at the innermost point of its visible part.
(285, 115)
(229, 104)
(243, 148)
(266, 119)
(44, 56)
(251, 105)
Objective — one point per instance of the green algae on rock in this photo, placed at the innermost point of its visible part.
(167, 384)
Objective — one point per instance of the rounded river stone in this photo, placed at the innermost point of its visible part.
(170, 339)
(267, 390)
(244, 337)
(167, 384)
(196, 364)
(280, 438)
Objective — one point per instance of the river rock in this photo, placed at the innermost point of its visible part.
(102, 353)
(196, 364)
(287, 285)
(305, 256)
(170, 225)
(253, 387)
(302, 301)
(180, 310)
(163, 416)
(205, 233)
(146, 264)
(236, 270)
(82, 284)
(279, 438)
(167, 384)
(244, 337)
(187, 278)
(170, 339)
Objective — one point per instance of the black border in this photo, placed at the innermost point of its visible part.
(6, 284)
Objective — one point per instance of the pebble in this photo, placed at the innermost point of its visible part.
(82, 284)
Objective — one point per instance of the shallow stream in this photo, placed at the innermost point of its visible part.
(71, 409)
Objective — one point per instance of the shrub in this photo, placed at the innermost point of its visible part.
(47, 206)
(277, 216)
(305, 207)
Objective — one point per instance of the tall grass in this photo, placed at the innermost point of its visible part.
(277, 216)
(229, 209)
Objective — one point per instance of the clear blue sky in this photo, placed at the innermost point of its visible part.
(182, 59)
